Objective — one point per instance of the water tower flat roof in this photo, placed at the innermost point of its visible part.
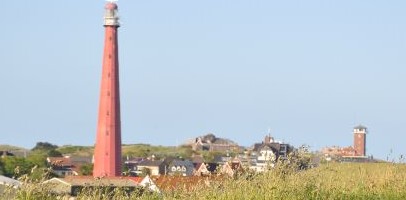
(111, 6)
(360, 127)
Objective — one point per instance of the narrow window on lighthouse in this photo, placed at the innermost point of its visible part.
(109, 56)
(108, 113)
(108, 93)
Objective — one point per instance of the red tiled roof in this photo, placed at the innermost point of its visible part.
(136, 179)
(62, 161)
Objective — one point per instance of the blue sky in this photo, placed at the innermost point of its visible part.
(307, 70)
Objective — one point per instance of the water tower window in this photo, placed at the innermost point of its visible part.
(109, 13)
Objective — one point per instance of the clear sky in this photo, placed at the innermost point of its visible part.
(307, 70)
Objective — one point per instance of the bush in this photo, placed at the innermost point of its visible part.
(44, 146)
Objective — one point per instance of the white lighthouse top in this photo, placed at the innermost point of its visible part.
(111, 14)
(360, 129)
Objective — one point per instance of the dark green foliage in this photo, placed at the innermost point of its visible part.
(1, 167)
(69, 149)
(44, 146)
(86, 170)
(54, 153)
(15, 166)
(38, 159)
(146, 150)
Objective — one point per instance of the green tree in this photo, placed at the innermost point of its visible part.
(54, 153)
(1, 167)
(38, 158)
(15, 166)
(86, 170)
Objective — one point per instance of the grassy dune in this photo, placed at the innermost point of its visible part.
(132, 150)
(6, 147)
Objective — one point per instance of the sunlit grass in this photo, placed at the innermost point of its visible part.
(329, 181)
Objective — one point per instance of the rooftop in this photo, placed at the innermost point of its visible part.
(360, 127)
(111, 6)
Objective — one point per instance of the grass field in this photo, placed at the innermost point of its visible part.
(329, 181)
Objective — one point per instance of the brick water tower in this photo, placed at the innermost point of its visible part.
(107, 153)
(360, 133)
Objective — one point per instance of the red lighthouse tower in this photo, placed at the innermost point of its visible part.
(360, 134)
(107, 154)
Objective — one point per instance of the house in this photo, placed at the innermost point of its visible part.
(146, 182)
(153, 167)
(265, 155)
(181, 167)
(222, 159)
(210, 142)
(231, 168)
(6, 153)
(9, 181)
(74, 184)
(67, 165)
(336, 151)
(132, 164)
(205, 169)
(247, 159)
(270, 146)
(266, 158)
(6, 184)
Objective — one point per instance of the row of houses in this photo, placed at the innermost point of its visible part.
(259, 158)
(175, 167)
(170, 174)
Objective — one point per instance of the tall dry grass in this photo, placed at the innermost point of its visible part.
(328, 181)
